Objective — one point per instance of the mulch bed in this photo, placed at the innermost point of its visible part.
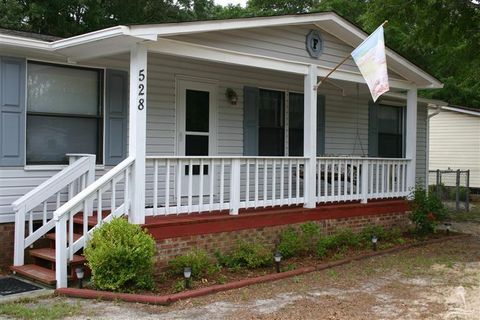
(227, 279)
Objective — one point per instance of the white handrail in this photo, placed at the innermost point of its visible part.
(77, 175)
(101, 182)
(65, 245)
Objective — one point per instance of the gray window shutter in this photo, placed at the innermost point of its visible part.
(320, 125)
(12, 111)
(116, 116)
(250, 121)
(373, 130)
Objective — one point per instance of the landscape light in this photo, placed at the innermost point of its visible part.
(80, 271)
(448, 227)
(187, 273)
(374, 242)
(277, 257)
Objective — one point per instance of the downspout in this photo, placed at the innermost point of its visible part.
(438, 109)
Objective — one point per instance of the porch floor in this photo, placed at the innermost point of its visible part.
(172, 226)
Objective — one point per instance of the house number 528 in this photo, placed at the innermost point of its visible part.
(141, 89)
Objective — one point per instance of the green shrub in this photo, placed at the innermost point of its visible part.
(310, 234)
(427, 211)
(462, 191)
(338, 242)
(368, 232)
(290, 243)
(121, 256)
(201, 264)
(247, 255)
(293, 243)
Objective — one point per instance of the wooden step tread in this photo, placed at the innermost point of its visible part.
(32, 271)
(52, 236)
(49, 255)
(92, 221)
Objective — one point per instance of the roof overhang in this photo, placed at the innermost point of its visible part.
(461, 110)
(120, 39)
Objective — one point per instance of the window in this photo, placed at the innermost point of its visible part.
(390, 132)
(271, 131)
(64, 112)
(295, 125)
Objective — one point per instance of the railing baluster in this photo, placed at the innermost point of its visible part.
(30, 223)
(113, 196)
(99, 207)
(126, 194)
(345, 180)
(167, 187)
(247, 185)
(58, 199)
(290, 181)
(256, 183)
(190, 186)
(388, 180)
(274, 180)
(155, 187)
(44, 212)
(212, 182)
(297, 191)
(179, 185)
(282, 182)
(265, 189)
(200, 193)
(222, 182)
(325, 180)
(70, 235)
(85, 220)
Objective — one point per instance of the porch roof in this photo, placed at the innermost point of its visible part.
(121, 38)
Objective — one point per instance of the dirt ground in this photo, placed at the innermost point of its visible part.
(440, 281)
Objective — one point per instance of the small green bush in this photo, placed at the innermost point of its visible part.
(338, 242)
(121, 256)
(290, 243)
(427, 211)
(368, 232)
(201, 264)
(293, 243)
(247, 255)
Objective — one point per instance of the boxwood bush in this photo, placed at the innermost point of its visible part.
(201, 264)
(121, 256)
(248, 255)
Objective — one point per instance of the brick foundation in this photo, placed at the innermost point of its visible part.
(224, 241)
(7, 231)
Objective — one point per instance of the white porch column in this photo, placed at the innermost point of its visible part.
(310, 136)
(137, 131)
(411, 136)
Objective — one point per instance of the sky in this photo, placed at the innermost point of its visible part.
(225, 2)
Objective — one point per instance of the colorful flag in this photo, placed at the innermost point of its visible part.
(370, 59)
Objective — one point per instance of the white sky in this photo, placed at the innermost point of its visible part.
(225, 2)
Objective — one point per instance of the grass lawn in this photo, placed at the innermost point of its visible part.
(46, 308)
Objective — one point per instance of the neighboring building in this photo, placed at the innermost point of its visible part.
(455, 141)
(222, 117)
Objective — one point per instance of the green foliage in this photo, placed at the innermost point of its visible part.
(338, 242)
(427, 211)
(201, 264)
(246, 255)
(121, 256)
(293, 243)
(368, 232)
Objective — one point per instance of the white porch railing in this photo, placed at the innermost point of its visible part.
(341, 179)
(179, 185)
(64, 216)
(40, 203)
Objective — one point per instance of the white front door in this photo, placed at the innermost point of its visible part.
(196, 128)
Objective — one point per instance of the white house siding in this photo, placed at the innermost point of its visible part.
(455, 143)
(346, 117)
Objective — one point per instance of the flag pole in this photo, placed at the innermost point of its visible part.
(339, 64)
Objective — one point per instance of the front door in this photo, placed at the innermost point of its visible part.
(196, 128)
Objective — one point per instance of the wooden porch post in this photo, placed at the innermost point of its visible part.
(137, 131)
(411, 136)
(310, 136)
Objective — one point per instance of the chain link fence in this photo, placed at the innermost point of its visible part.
(452, 187)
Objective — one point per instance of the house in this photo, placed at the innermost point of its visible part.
(454, 133)
(223, 135)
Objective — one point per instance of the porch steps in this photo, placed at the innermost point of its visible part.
(42, 268)
(51, 236)
(49, 255)
(36, 272)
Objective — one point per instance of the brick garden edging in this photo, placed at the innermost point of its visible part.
(170, 298)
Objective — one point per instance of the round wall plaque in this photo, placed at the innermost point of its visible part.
(314, 44)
